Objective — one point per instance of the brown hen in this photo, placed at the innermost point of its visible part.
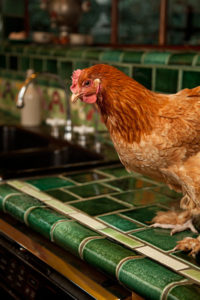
(154, 134)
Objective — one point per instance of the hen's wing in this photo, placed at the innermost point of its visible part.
(180, 121)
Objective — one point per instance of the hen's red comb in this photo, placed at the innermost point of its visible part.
(75, 77)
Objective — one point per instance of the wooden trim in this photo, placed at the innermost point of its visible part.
(163, 22)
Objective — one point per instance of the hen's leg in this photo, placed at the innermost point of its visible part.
(177, 221)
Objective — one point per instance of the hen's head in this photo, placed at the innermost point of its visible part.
(88, 84)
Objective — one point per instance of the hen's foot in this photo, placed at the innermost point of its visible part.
(189, 244)
(173, 220)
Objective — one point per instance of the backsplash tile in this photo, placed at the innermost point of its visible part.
(167, 80)
(191, 79)
(181, 59)
(179, 70)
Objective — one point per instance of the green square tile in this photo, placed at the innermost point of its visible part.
(192, 273)
(24, 63)
(119, 222)
(98, 206)
(124, 69)
(48, 183)
(59, 51)
(161, 238)
(61, 195)
(51, 66)
(191, 79)
(167, 192)
(166, 80)
(86, 176)
(111, 55)
(42, 219)
(37, 64)
(13, 62)
(2, 61)
(146, 277)
(78, 64)
(132, 56)
(43, 50)
(69, 235)
(65, 69)
(118, 171)
(156, 58)
(92, 54)
(143, 76)
(143, 215)
(75, 52)
(129, 183)
(19, 48)
(19, 204)
(103, 254)
(184, 292)
(143, 197)
(121, 237)
(181, 59)
(90, 190)
(31, 49)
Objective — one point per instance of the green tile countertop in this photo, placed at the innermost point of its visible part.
(103, 216)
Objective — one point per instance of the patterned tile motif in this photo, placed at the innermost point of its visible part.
(103, 216)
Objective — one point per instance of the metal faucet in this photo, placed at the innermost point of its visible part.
(20, 98)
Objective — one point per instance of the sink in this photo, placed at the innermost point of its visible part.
(26, 153)
(13, 138)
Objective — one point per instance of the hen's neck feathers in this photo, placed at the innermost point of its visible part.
(128, 109)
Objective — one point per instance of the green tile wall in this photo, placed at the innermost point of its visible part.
(190, 79)
(143, 76)
(166, 80)
(162, 71)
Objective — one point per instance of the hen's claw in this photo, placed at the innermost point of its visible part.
(176, 227)
(189, 244)
(183, 227)
(177, 221)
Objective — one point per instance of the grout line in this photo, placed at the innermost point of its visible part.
(115, 189)
(73, 194)
(120, 201)
(68, 179)
(153, 79)
(195, 59)
(180, 79)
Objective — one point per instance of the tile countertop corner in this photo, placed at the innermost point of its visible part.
(103, 215)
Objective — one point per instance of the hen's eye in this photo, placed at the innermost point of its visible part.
(87, 83)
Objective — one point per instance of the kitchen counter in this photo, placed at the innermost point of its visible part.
(102, 215)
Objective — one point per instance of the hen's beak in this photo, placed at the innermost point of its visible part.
(74, 97)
